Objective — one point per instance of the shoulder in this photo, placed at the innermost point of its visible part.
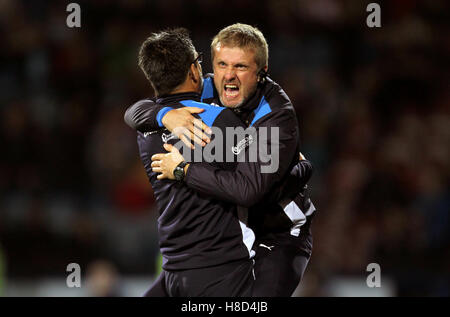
(209, 115)
(274, 105)
(206, 106)
(208, 87)
(276, 97)
(140, 105)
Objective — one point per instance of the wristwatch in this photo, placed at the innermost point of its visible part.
(178, 172)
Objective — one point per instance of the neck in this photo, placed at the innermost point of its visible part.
(184, 87)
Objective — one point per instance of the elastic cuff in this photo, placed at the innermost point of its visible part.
(161, 114)
(188, 173)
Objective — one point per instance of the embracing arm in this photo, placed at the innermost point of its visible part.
(147, 115)
(251, 181)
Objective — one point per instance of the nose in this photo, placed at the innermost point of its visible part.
(230, 74)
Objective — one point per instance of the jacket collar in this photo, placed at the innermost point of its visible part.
(252, 102)
(168, 99)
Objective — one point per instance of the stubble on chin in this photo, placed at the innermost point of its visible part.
(232, 106)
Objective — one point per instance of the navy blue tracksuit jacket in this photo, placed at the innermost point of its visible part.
(195, 230)
(247, 186)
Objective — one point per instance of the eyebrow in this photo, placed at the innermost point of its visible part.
(240, 64)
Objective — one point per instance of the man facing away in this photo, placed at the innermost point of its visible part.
(206, 246)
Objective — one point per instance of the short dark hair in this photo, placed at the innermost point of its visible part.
(165, 58)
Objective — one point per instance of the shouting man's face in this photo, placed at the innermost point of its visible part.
(235, 74)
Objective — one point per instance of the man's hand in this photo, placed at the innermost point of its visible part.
(165, 163)
(185, 126)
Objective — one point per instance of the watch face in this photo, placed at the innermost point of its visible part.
(178, 173)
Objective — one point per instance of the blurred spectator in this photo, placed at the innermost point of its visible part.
(102, 280)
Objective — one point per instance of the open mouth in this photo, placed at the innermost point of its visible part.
(231, 90)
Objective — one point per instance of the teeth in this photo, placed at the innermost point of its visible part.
(231, 93)
(231, 86)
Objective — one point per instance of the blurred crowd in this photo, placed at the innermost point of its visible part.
(372, 103)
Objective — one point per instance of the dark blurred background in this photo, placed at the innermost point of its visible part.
(373, 108)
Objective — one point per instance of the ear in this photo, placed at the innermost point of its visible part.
(262, 74)
(193, 74)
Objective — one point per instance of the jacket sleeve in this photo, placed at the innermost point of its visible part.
(253, 178)
(294, 182)
(142, 115)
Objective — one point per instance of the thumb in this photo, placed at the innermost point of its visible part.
(194, 109)
(168, 147)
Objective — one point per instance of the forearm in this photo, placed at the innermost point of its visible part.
(230, 186)
(251, 180)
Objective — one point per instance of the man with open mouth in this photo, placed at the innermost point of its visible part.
(281, 221)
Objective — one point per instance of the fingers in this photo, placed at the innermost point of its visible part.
(193, 136)
(194, 129)
(184, 135)
(168, 147)
(201, 136)
(171, 148)
(157, 157)
(156, 164)
(188, 136)
(206, 128)
(186, 141)
(198, 129)
(156, 167)
(203, 128)
(194, 109)
(192, 132)
(165, 163)
(161, 176)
